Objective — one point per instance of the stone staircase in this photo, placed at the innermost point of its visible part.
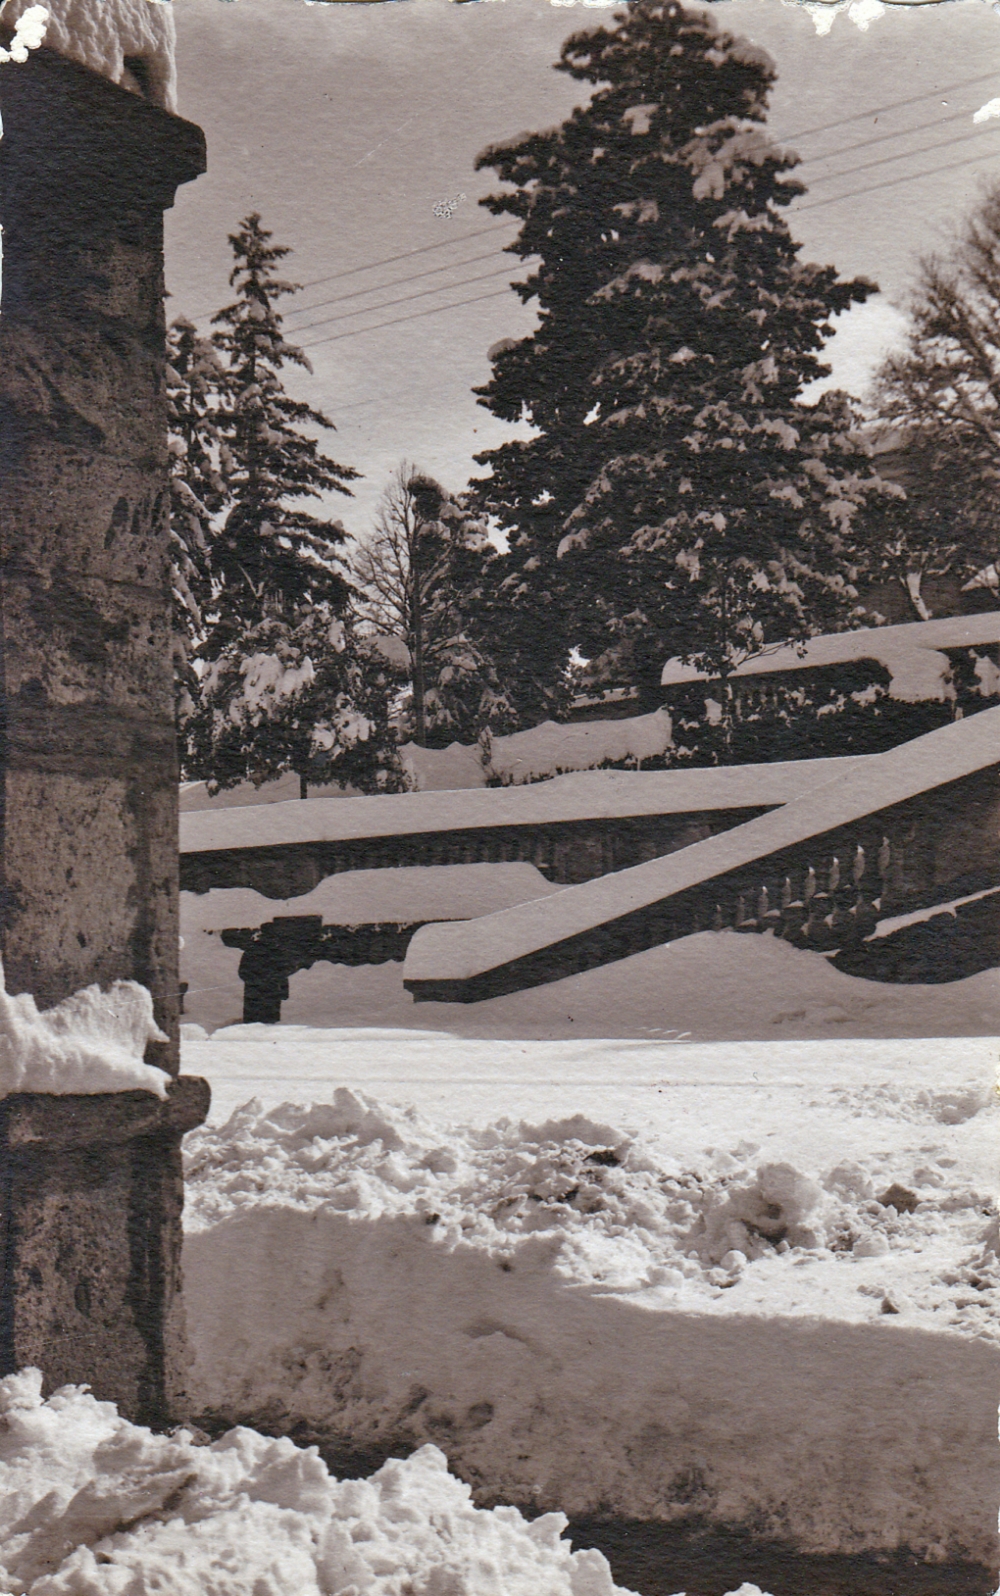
(900, 831)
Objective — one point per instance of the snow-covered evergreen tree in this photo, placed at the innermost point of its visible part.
(941, 398)
(271, 552)
(310, 698)
(279, 680)
(197, 492)
(676, 500)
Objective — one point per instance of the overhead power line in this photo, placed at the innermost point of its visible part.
(390, 260)
(434, 310)
(890, 160)
(395, 282)
(482, 232)
(397, 321)
(894, 105)
(885, 138)
(894, 182)
(406, 299)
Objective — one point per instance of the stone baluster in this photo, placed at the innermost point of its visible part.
(793, 910)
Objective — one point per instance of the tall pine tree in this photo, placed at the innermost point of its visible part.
(197, 492)
(271, 553)
(941, 396)
(676, 500)
(280, 681)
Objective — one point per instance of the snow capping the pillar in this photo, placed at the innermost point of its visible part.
(113, 38)
(90, 1042)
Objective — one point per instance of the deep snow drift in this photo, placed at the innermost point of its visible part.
(769, 1309)
(91, 1505)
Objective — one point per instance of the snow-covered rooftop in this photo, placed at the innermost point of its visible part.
(913, 654)
(586, 795)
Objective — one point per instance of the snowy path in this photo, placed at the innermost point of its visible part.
(693, 1093)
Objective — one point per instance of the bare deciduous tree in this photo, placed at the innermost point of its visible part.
(942, 393)
(416, 574)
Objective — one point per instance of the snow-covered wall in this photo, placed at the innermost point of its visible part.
(364, 897)
(540, 752)
(914, 654)
(440, 953)
(129, 41)
(586, 795)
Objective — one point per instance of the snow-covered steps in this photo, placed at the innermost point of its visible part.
(899, 827)
(572, 827)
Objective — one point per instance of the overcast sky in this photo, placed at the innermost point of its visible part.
(351, 127)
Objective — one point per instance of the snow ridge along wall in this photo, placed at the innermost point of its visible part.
(633, 909)
(611, 1323)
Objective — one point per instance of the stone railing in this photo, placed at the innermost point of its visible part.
(916, 826)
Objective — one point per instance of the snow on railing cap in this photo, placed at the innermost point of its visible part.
(129, 41)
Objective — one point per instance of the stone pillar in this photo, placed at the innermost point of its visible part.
(88, 850)
(90, 1187)
(90, 1231)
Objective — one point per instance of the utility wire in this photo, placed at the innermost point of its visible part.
(395, 282)
(446, 243)
(883, 138)
(389, 260)
(484, 276)
(874, 188)
(894, 105)
(406, 299)
(500, 293)
(889, 160)
(486, 231)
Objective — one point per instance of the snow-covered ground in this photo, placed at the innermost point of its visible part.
(752, 1283)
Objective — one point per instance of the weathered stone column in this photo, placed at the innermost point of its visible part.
(90, 1242)
(89, 1186)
